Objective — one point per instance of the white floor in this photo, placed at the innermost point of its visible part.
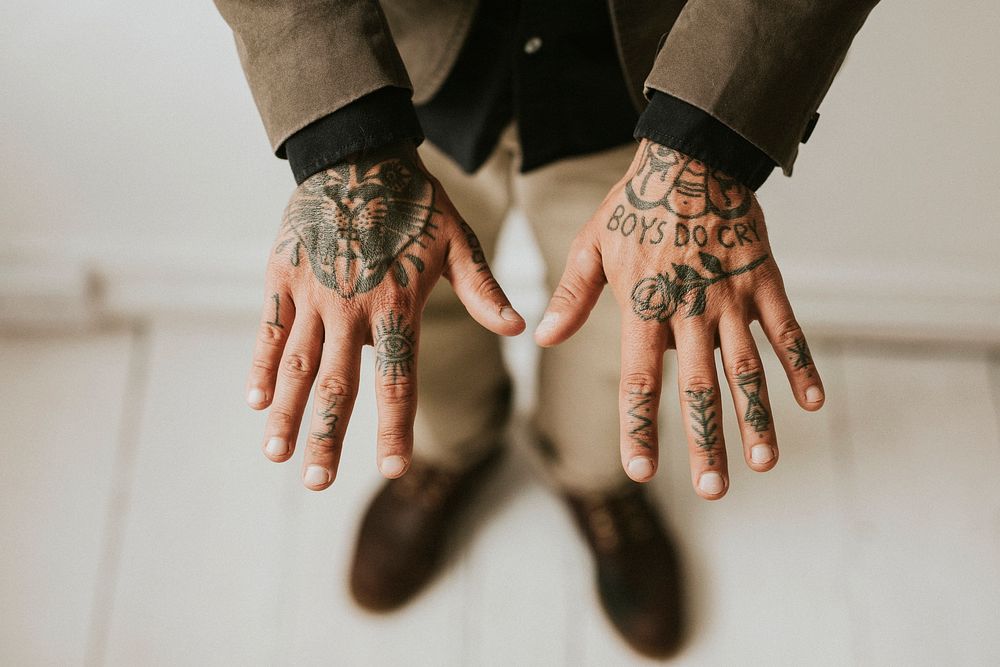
(141, 525)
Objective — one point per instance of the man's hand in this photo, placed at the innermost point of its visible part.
(360, 248)
(685, 250)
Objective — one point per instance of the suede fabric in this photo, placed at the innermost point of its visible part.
(761, 67)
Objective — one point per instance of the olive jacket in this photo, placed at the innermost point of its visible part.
(761, 67)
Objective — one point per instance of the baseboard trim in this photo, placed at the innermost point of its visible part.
(895, 303)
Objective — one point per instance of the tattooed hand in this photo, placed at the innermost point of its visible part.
(685, 250)
(360, 248)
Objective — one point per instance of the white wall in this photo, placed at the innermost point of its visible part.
(132, 153)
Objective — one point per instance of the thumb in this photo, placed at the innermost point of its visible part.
(476, 288)
(575, 295)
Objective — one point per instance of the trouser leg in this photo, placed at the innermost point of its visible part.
(577, 415)
(464, 390)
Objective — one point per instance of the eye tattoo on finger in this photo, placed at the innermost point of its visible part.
(394, 347)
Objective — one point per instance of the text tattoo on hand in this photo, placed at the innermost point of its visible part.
(357, 222)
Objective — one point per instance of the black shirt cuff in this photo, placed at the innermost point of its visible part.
(380, 118)
(684, 127)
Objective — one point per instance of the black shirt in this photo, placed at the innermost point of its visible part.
(553, 68)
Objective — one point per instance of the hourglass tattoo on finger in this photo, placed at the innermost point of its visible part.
(358, 222)
(801, 358)
(395, 347)
(756, 415)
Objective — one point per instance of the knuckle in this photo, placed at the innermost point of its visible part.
(270, 335)
(699, 383)
(393, 438)
(490, 287)
(281, 420)
(397, 302)
(332, 388)
(263, 365)
(297, 365)
(319, 446)
(399, 392)
(639, 383)
(565, 294)
(788, 330)
(744, 366)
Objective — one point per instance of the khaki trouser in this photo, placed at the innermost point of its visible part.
(464, 387)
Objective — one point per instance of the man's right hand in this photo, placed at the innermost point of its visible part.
(361, 245)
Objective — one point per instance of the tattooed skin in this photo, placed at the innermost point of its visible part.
(801, 357)
(642, 425)
(330, 422)
(357, 222)
(693, 225)
(478, 255)
(658, 297)
(685, 187)
(277, 313)
(701, 402)
(394, 347)
(756, 415)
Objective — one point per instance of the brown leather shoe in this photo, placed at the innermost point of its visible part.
(638, 570)
(406, 528)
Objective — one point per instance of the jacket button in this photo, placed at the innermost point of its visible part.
(532, 45)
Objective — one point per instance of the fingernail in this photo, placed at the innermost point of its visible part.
(761, 453)
(392, 466)
(276, 447)
(509, 314)
(814, 394)
(640, 468)
(548, 321)
(255, 396)
(316, 476)
(711, 483)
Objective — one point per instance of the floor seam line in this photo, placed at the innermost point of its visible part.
(127, 445)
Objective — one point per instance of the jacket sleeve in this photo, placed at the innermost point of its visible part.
(305, 59)
(761, 67)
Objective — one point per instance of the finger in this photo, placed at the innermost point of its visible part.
(643, 344)
(275, 323)
(701, 411)
(296, 372)
(575, 295)
(477, 289)
(745, 374)
(333, 402)
(395, 335)
(789, 343)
